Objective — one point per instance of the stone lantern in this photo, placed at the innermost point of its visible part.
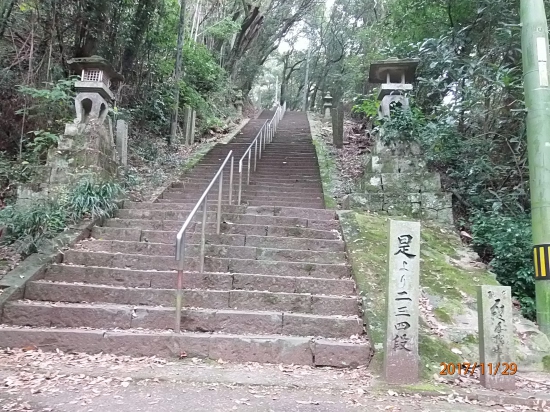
(327, 106)
(396, 77)
(94, 95)
(87, 147)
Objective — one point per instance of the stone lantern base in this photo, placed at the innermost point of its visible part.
(84, 150)
(397, 183)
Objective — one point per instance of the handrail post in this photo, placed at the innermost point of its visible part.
(255, 154)
(260, 136)
(240, 180)
(203, 234)
(179, 288)
(231, 182)
(248, 171)
(220, 194)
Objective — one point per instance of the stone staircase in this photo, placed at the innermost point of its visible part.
(277, 287)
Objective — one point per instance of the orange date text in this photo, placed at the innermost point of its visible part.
(501, 368)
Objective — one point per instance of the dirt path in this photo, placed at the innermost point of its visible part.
(56, 382)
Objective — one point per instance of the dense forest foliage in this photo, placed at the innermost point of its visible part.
(468, 112)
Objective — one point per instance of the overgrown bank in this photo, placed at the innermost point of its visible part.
(450, 274)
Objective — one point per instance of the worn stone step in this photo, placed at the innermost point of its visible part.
(159, 214)
(299, 181)
(181, 211)
(234, 228)
(211, 264)
(281, 165)
(199, 298)
(232, 219)
(277, 349)
(169, 250)
(321, 224)
(252, 189)
(281, 231)
(78, 315)
(212, 207)
(284, 175)
(192, 196)
(292, 182)
(192, 250)
(311, 205)
(308, 213)
(273, 199)
(169, 237)
(189, 204)
(196, 280)
(274, 242)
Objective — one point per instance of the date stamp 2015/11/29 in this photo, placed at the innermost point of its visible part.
(493, 369)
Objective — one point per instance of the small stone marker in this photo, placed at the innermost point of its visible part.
(401, 361)
(496, 340)
(122, 142)
(338, 126)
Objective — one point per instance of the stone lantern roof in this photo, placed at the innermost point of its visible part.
(96, 75)
(395, 75)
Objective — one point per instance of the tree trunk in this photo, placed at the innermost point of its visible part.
(140, 24)
(5, 13)
(177, 75)
(91, 24)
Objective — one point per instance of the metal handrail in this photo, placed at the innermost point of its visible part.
(264, 136)
(180, 238)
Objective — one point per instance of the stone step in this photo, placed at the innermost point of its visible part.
(228, 228)
(291, 163)
(78, 315)
(173, 214)
(311, 205)
(269, 210)
(324, 224)
(169, 237)
(196, 280)
(174, 206)
(276, 349)
(192, 250)
(271, 197)
(298, 181)
(196, 298)
(282, 175)
(251, 189)
(181, 211)
(139, 235)
(211, 264)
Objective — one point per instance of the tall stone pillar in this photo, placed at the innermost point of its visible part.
(239, 103)
(122, 142)
(327, 106)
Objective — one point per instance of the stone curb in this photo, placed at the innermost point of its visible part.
(483, 398)
(197, 158)
(12, 285)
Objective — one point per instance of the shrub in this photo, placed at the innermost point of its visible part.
(27, 226)
(506, 241)
(91, 199)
